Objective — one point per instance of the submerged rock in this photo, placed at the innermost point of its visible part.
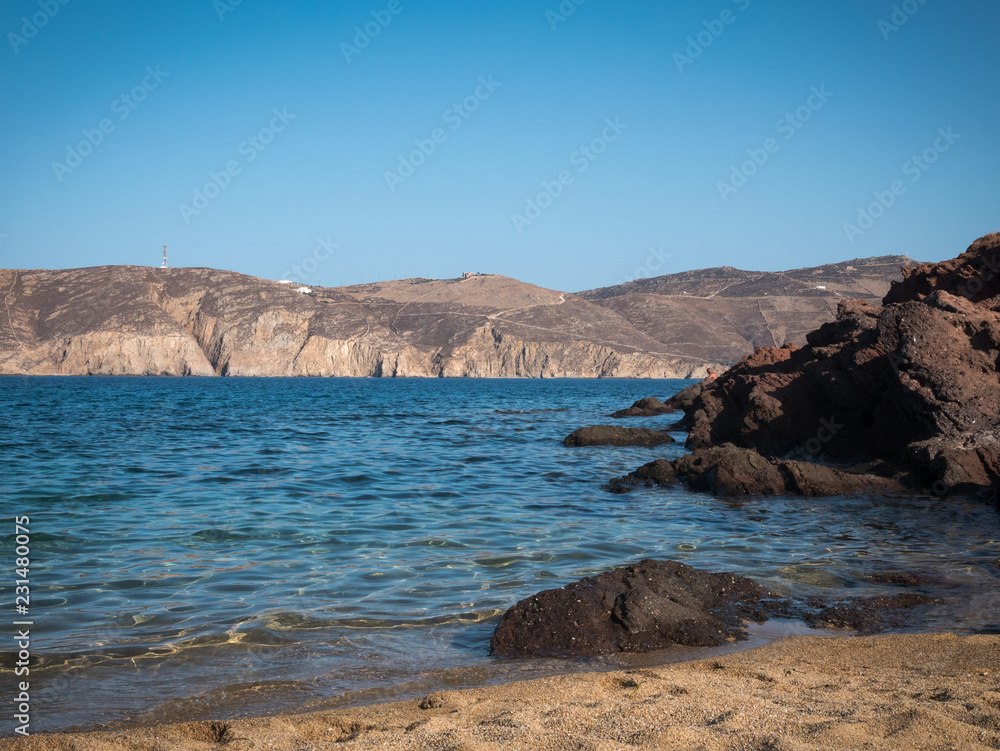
(648, 407)
(651, 605)
(869, 615)
(614, 435)
(731, 471)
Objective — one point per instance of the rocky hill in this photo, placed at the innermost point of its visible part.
(129, 320)
(724, 313)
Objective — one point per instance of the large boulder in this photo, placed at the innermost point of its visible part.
(656, 604)
(914, 383)
(651, 605)
(615, 435)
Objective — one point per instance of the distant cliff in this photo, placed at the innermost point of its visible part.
(724, 313)
(128, 320)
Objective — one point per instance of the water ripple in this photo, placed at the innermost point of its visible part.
(204, 532)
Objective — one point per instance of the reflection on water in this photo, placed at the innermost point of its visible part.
(268, 544)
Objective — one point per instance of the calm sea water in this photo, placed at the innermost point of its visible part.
(212, 547)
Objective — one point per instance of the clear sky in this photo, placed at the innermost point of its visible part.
(590, 141)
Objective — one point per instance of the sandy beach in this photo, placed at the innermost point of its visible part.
(804, 692)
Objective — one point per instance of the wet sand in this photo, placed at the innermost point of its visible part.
(803, 692)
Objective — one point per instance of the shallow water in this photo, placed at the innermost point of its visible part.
(242, 546)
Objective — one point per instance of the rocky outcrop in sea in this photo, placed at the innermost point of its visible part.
(898, 397)
(653, 604)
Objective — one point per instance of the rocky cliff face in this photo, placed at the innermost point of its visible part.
(127, 320)
(914, 383)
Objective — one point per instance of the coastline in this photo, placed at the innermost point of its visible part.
(926, 691)
(892, 691)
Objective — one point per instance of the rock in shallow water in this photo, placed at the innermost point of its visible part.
(648, 407)
(651, 605)
(613, 435)
(656, 604)
(731, 471)
(869, 615)
(915, 382)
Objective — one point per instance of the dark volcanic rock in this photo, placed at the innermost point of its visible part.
(731, 471)
(727, 470)
(686, 397)
(655, 604)
(975, 275)
(651, 605)
(614, 435)
(648, 407)
(903, 578)
(660, 472)
(869, 615)
(913, 383)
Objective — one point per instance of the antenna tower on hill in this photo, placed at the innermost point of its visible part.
(164, 257)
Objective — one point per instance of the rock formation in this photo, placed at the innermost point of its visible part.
(908, 389)
(648, 407)
(651, 605)
(656, 604)
(614, 435)
(731, 471)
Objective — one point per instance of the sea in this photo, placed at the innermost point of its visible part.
(215, 548)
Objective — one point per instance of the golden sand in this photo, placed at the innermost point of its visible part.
(911, 692)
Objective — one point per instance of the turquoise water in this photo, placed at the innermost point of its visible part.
(209, 547)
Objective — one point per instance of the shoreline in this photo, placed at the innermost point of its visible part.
(391, 377)
(915, 691)
(508, 713)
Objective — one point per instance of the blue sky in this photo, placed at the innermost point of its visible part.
(588, 147)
